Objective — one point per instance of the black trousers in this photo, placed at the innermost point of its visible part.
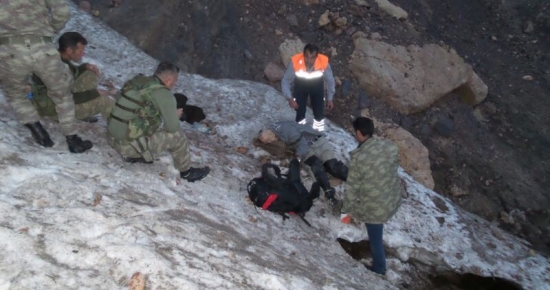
(314, 88)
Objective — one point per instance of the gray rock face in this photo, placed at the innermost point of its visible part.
(412, 78)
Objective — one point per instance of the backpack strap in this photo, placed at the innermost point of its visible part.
(270, 199)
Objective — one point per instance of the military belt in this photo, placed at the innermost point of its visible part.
(25, 39)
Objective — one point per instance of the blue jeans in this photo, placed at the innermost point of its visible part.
(375, 232)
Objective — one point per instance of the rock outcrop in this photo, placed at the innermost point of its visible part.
(412, 78)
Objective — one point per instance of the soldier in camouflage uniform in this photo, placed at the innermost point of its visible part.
(142, 106)
(312, 148)
(89, 101)
(373, 188)
(26, 30)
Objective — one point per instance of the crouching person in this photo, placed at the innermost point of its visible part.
(373, 187)
(89, 101)
(143, 105)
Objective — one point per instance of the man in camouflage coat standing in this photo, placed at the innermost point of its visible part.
(373, 188)
(26, 30)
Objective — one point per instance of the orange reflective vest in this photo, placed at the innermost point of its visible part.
(299, 64)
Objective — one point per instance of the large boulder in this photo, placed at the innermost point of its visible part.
(289, 48)
(413, 155)
(412, 78)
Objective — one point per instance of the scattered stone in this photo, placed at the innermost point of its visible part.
(457, 191)
(310, 2)
(358, 34)
(341, 22)
(375, 36)
(137, 282)
(391, 9)
(289, 48)
(273, 72)
(528, 27)
(242, 150)
(333, 51)
(351, 30)
(85, 6)
(292, 20)
(115, 3)
(506, 218)
(478, 115)
(97, 199)
(527, 78)
(494, 38)
(490, 108)
(95, 13)
(362, 3)
(278, 32)
(337, 81)
(444, 126)
(324, 20)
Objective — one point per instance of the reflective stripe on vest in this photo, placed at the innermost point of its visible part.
(319, 66)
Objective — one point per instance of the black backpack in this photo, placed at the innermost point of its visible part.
(282, 193)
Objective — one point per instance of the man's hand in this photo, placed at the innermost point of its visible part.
(93, 68)
(292, 103)
(345, 218)
(329, 105)
(180, 112)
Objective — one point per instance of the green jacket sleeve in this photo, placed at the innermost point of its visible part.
(167, 106)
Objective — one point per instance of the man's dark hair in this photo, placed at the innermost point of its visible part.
(166, 67)
(70, 40)
(311, 48)
(364, 125)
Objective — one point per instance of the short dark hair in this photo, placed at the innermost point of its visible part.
(364, 125)
(166, 67)
(311, 48)
(70, 40)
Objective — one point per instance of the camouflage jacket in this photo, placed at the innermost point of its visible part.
(45, 105)
(373, 188)
(32, 17)
(143, 104)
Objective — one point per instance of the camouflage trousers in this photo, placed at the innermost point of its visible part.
(87, 81)
(18, 62)
(175, 143)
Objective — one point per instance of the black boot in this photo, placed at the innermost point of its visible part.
(77, 145)
(321, 176)
(40, 135)
(336, 168)
(194, 174)
(137, 160)
(91, 119)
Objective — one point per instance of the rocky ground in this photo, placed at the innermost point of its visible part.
(491, 159)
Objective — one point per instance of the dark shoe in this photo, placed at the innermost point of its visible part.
(336, 168)
(91, 119)
(40, 135)
(77, 145)
(137, 160)
(336, 205)
(194, 174)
